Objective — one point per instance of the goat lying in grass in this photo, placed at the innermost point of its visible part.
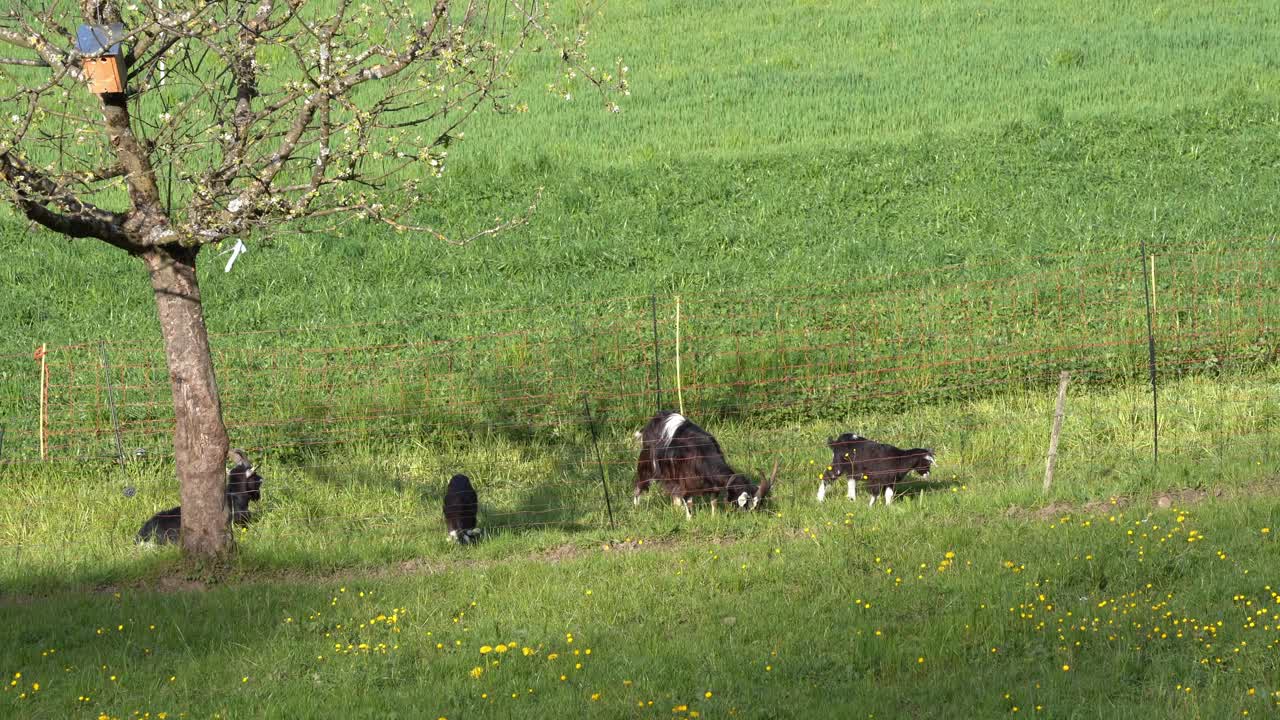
(243, 485)
(687, 462)
(881, 466)
(460, 505)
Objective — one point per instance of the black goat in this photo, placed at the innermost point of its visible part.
(460, 505)
(688, 463)
(881, 466)
(243, 485)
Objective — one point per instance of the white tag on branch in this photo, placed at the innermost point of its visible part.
(235, 251)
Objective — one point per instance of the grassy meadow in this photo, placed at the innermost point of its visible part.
(897, 218)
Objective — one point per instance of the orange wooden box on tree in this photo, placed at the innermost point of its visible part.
(104, 61)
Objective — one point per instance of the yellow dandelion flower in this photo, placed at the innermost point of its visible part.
(1066, 668)
(485, 649)
(476, 672)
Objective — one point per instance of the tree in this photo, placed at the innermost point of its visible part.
(238, 118)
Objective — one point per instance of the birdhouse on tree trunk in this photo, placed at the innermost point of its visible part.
(104, 60)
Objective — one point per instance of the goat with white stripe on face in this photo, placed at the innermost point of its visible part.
(687, 462)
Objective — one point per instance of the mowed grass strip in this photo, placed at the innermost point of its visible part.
(374, 505)
(1117, 611)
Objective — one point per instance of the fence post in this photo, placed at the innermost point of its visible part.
(586, 410)
(44, 393)
(679, 380)
(111, 403)
(657, 374)
(1058, 411)
(1151, 356)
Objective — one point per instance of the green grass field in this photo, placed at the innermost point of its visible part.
(902, 219)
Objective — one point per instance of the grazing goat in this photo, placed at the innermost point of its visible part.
(688, 463)
(460, 505)
(881, 466)
(243, 485)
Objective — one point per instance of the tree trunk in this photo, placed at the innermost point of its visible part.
(200, 438)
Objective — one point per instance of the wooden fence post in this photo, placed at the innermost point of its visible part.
(1063, 379)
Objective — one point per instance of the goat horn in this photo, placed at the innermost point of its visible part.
(764, 487)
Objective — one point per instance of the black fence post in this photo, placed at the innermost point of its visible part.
(586, 410)
(657, 374)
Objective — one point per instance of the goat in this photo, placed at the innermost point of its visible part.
(460, 505)
(688, 463)
(881, 466)
(243, 485)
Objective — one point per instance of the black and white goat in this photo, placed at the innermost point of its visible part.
(687, 462)
(243, 485)
(881, 466)
(460, 506)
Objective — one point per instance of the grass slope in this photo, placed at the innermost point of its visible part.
(950, 133)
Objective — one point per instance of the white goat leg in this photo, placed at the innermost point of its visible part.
(822, 490)
(853, 489)
(888, 496)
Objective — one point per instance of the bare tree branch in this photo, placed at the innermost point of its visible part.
(250, 116)
(33, 192)
(29, 62)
